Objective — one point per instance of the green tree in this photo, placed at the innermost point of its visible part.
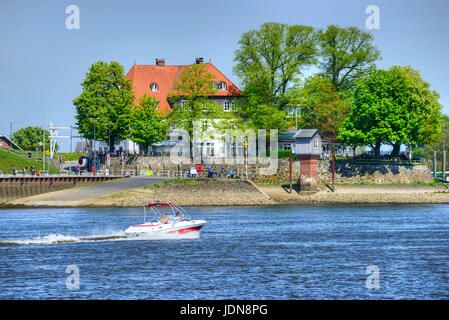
(107, 97)
(394, 106)
(269, 58)
(322, 106)
(192, 110)
(265, 116)
(29, 138)
(148, 125)
(440, 144)
(346, 54)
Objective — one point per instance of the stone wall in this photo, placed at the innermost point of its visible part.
(346, 172)
(162, 166)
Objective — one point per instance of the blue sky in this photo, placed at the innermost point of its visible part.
(42, 63)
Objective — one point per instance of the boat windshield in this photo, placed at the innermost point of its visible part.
(154, 211)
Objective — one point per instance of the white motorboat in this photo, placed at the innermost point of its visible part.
(164, 218)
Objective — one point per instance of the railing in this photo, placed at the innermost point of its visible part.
(394, 161)
(172, 174)
(397, 161)
(127, 173)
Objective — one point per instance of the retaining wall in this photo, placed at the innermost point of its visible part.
(18, 187)
(345, 171)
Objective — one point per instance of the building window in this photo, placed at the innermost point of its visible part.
(184, 104)
(205, 125)
(315, 144)
(293, 112)
(213, 85)
(287, 146)
(228, 106)
(154, 87)
(221, 85)
(210, 149)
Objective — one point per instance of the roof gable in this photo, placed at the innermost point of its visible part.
(307, 133)
(142, 76)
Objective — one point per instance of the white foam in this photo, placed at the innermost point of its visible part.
(48, 239)
(56, 238)
(167, 236)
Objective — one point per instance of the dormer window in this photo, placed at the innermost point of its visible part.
(213, 85)
(154, 87)
(221, 85)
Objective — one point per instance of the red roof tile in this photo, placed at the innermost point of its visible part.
(165, 76)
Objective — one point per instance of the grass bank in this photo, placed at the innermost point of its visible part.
(19, 159)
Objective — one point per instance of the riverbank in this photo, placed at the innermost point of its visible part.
(212, 192)
(363, 194)
(195, 192)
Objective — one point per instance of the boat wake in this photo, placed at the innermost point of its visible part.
(119, 236)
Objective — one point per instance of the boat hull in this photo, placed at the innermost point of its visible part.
(182, 227)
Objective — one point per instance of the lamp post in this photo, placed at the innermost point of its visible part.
(109, 138)
(93, 147)
(10, 133)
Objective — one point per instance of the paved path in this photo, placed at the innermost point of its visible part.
(100, 189)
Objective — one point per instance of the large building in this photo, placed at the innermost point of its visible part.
(158, 80)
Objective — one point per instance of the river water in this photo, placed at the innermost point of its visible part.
(285, 252)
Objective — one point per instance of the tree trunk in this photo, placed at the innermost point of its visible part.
(396, 149)
(377, 150)
(191, 150)
(111, 144)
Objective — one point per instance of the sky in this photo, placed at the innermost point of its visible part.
(42, 62)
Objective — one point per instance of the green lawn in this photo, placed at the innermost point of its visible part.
(66, 156)
(19, 159)
(70, 156)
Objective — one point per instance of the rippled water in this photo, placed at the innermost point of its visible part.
(288, 252)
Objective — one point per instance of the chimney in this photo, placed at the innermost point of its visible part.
(160, 62)
(198, 60)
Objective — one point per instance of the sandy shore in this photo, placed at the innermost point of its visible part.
(204, 192)
(363, 194)
(208, 192)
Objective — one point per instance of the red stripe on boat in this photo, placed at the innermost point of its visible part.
(186, 230)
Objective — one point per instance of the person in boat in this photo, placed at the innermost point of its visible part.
(178, 217)
(164, 219)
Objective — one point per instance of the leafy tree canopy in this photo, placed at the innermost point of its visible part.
(321, 105)
(346, 54)
(394, 106)
(107, 97)
(192, 110)
(28, 138)
(272, 56)
(190, 102)
(440, 144)
(147, 124)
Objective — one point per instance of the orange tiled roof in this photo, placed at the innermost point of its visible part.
(165, 77)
